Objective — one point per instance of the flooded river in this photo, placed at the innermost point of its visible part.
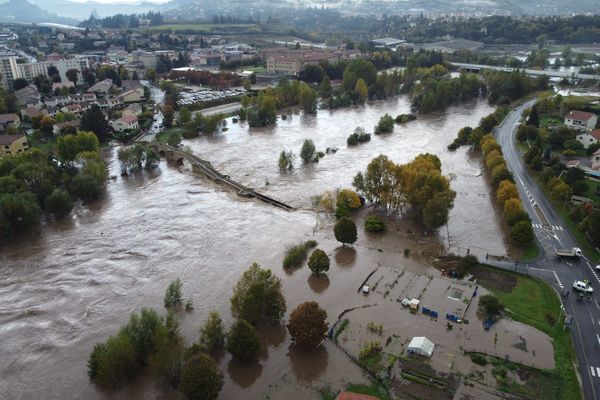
(76, 282)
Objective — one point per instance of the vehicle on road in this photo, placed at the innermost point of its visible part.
(574, 252)
(598, 267)
(582, 286)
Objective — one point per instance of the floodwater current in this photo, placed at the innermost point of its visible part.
(76, 281)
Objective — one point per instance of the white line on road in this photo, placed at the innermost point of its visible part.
(598, 337)
(596, 303)
(558, 280)
(598, 371)
(593, 371)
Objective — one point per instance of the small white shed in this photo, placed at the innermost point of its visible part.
(421, 345)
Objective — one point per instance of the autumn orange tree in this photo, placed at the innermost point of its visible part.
(307, 325)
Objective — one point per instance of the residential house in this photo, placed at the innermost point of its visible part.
(132, 96)
(581, 120)
(128, 122)
(129, 84)
(101, 87)
(76, 109)
(596, 160)
(60, 85)
(51, 102)
(63, 100)
(13, 144)
(9, 120)
(30, 112)
(51, 111)
(64, 128)
(26, 94)
(588, 138)
(133, 109)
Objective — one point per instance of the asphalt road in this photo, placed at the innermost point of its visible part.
(552, 234)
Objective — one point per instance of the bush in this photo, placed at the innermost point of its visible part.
(491, 305)
(58, 203)
(466, 263)
(359, 136)
(385, 125)
(307, 152)
(479, 359)
(242, 341)
(307, 324)
(112, 364)
(294, 256)
(286, 160)
(403, 118)
(522, 232)
(374, 223)
(85, 187)
(212, 335)
(200, 378)
(318, 261)
(173, 295)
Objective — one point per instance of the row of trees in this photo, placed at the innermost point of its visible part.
(32, 183)
(417, 187)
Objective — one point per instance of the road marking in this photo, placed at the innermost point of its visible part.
(596, 303)
(558, 280)
(598, 337)
(598, 371)
(593, 371)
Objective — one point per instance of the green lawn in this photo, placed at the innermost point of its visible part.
(547, 120)
(535, 303)
(530, 251)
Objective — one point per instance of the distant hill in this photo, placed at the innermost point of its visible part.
(83, 10)
(24, 11)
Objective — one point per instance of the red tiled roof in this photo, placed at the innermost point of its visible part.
(596, 134)
(128, 119)
(580, 115)
(355, 396)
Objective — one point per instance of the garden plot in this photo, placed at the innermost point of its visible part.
(386, 326)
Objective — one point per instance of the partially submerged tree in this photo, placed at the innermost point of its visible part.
(318, 261)
(307, 324)
(345, 231)
(173, 294)
(242, 341)
(212, 335)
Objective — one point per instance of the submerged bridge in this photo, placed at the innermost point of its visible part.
(199, 165)
(531, 72)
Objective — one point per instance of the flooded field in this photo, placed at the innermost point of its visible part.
(75, 282)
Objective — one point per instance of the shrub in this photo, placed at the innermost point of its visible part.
(318, 261)
(479, 359)
(58, 203)
(212, 335)
(295, 255)
(307, 151)
(173, 295)
(112, 364)
(491, 305)
(403, 118)
(286, 161)
(466, 263)
(370, 349)
(242, 341)
(374, 223)
(200, 378)
(359, 136)
(385, 124)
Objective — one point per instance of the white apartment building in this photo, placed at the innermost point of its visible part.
(11, 70)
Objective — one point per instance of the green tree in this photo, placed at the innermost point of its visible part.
(257, 296)
(345, 231)
(94, 120)
(242, 341)
(173, 293)
(307, 98)
(174, 139)
(212, 335)
(19, 84)
(385, 124)
(112, 364)
(436, 211)
(168, 115)
(200, 378)
(58, 203)
(72, 75)
(491, 305)
(522, 232)
(185, 116)
(318, 261)
(307, 325)
(18, 212)
(307, 152)
(374, 223)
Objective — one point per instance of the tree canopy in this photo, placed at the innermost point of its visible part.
(307, 325)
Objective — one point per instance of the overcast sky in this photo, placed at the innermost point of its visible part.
(123, 1)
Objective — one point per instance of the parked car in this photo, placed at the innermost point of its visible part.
(582, 286)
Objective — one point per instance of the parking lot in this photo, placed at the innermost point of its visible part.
(189, 96)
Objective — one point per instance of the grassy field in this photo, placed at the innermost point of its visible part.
(546, 121)
(530, 251)
(535, 303)
(204, 27)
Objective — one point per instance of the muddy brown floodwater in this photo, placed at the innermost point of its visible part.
(75, 282)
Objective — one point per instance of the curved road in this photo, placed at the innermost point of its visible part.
(551, 233)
